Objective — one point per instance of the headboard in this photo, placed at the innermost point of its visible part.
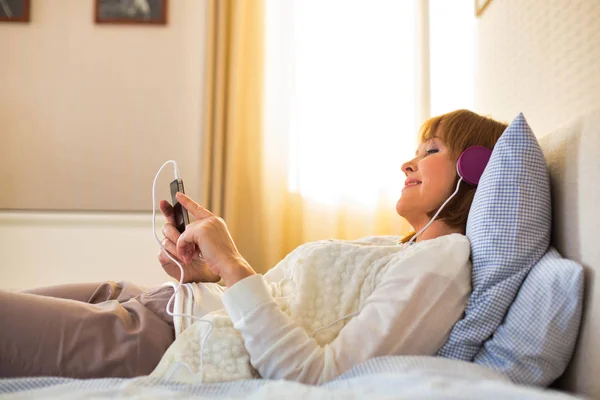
(571, 153)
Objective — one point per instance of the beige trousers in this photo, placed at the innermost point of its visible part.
(111, 329)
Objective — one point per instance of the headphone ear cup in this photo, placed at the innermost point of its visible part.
(472, 163)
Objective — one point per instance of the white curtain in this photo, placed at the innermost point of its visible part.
(347, 85)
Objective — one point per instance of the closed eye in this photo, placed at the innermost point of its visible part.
(432, 151)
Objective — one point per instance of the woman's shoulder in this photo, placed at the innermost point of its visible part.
(453, 239)
(445, 255)
(382, 240)
(455, 244)
(446, 241)
(378, 240)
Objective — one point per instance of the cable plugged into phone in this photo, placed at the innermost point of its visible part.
(181, 220)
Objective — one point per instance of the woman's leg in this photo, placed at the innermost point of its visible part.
(47, 336)
(73, 291)
(91, 292)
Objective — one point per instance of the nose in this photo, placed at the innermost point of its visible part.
(409, 166)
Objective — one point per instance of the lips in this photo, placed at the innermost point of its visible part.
(411, 182)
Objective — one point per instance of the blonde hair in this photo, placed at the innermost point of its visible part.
(460, 130)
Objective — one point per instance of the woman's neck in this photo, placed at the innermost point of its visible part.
(436, 229)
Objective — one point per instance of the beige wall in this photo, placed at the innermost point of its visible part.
(87, 115)
(89, 112)
(541, 57)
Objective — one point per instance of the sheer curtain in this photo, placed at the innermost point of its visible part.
(347, 85)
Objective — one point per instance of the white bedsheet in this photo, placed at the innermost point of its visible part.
(381, 378)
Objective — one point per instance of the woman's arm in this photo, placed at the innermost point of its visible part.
(209, 237)
(410, 312)
(405, 315)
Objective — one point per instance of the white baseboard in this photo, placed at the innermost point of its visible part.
(49, 248)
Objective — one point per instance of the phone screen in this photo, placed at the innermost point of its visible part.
(181, 215)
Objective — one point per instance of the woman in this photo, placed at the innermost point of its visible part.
(406, 298)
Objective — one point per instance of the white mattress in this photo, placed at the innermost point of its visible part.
(381, 378)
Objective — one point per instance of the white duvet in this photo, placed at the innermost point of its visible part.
(382, 378)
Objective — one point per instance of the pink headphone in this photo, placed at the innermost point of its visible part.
(472, 163)
(470, 167)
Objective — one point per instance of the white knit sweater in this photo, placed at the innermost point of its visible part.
(400, 301)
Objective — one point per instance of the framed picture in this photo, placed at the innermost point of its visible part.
(14, 10)
(480, 6)
(131, 12)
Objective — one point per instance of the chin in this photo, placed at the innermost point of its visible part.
(410, 212)
(401, 208)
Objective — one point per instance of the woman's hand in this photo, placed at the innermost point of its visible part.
(210, 235)
(194, 270)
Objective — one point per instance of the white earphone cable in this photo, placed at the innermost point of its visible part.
(176, 172)
(437, 213)
(407, 244)
(177, 176)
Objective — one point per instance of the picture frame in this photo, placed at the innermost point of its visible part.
(480, 6)
(15, 10)
(146, 12)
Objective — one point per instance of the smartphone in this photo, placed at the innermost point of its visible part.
(182, 218)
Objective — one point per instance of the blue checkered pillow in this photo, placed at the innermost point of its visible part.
(509, 229)
(535, 343)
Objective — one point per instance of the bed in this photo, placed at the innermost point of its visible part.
(574, 167)
(381, 378)
(570, 153)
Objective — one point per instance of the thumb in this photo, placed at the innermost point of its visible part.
(194, 208)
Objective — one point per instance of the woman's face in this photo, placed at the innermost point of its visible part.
(430, 178)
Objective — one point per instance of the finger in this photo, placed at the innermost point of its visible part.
(167, 210)
(186, 244)
(169, 246)
(194, 208)
(171, 232)
(169, 266)
(164, 259)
